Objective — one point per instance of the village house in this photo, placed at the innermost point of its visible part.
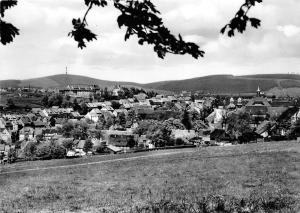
(183, 134)
(57, 112)
(144, 142)
(258, 107)
(116, 112)
(80, 90)
(49, 133)
(140, 96)
(27, 133)
(125, 103)
(216, 118)
(4, 133)
(107, 108)
(94, 115)
(295, 117)
(94, 105)
(172, 98)
(231, 106)
(239, 103)
(79, 145)
(117, 91)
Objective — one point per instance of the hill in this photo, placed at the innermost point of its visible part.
(220, 84)
(228, 84)
(10, 83)
(58, 81)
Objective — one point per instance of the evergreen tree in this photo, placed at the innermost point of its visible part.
(186, 120)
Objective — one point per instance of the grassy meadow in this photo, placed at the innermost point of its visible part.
(170, 181)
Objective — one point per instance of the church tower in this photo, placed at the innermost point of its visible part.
(258, 92)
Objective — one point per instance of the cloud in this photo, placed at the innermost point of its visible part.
(289, 30)
(43, 48)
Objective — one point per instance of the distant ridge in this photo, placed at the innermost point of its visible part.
(221, 84)
(58, 81)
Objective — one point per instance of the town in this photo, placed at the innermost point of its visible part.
(84, 120)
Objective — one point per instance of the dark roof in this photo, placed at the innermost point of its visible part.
(263, 127)
(258, 101)
(286, 115)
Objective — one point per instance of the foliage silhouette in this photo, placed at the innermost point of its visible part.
(140, 18)
(240, 20)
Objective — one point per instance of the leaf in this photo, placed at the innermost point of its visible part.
(223, 29)
(254, 22)
(7, 32)
(141, 19)
(122, 19)
(5, 4)
(239, 22)
(98, 3)
(231, 33)
(81, 34)
(252, 2)
(180, 38)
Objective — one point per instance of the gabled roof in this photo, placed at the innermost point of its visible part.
(258, 101)
(80, 144)
(114, 148)
(286, 115)
(95, 111)
(263, 127)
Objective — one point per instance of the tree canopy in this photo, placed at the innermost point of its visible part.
(140, 18)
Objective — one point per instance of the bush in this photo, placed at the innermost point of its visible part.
(88, 145)
(43, 151)
(29, 150)
(179, 141)
(12, 155)
(50, 151)
(57, 151)
(68, 144)
(100, 149)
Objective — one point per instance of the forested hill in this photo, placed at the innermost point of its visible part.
(211, 84)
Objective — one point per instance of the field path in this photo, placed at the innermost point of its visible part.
(97, 162)
(209, 152)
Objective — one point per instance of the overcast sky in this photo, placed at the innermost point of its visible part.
(43, 47)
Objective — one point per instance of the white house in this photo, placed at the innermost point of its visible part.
(94, 115)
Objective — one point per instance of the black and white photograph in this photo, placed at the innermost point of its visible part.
(150, 106)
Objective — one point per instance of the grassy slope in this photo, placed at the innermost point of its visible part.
(61, 80)
(274, 76)
(10, 83)
(230, 84)
(121, 185)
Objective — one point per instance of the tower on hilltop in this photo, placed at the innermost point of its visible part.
(67, 81)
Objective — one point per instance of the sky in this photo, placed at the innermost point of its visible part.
(43, 47)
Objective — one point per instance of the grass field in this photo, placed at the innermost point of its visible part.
(131, 182)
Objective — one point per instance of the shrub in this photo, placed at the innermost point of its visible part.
(50, 151)
(12, 155)
(29, 150)
(100, 149)
(43, 151)
(88, 145)
(179, 141)
(68, 144)
(57, 151)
